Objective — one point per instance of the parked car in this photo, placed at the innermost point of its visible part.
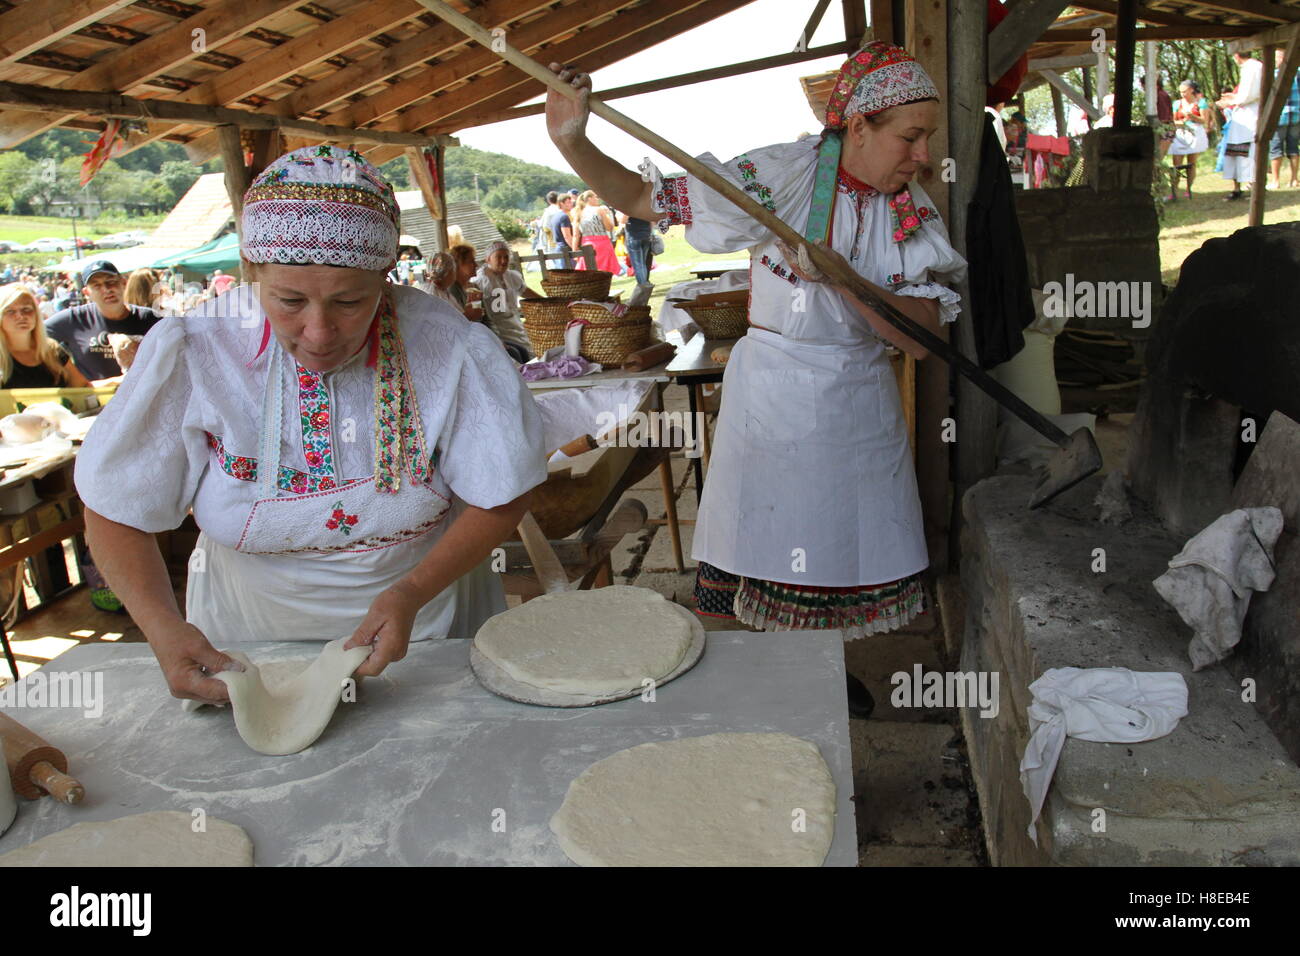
(11, 247)
(50, 245)
(83, 243)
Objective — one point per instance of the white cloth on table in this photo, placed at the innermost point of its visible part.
(183, 432)
(1209, 582)
(569, 413)
(811, 466)
(672, 318)
(1102, 704)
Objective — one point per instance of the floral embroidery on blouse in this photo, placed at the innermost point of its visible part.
(399, 433)
(374, 542)
(894, 279)
(340, 520)
(907, 217)
(314, 412)
(673, 199)
(750, 175)
(778, 269)
(290, 479)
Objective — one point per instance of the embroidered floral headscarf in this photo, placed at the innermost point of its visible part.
(878, 76)
(322, 205)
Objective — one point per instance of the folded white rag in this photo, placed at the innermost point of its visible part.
(1210, 581)
(1103, 704)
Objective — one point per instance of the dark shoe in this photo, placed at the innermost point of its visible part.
(1235, 194)
(861, 703)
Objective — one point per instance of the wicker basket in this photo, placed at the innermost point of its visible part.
(544, 321)
(577, 283)
(721, 320)
(609, 339)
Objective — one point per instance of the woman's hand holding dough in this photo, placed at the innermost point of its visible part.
(188, 662)
(566, 118)
(387, 627)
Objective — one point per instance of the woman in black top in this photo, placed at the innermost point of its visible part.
(28, 359)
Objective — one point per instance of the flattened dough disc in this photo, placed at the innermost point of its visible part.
(717, 800)
(163, 838)
(499, 681)
(279, 713)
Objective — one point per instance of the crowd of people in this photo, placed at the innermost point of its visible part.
(623, 245)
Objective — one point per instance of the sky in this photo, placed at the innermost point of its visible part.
(725, 117)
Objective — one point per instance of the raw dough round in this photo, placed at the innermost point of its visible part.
(719, 800)
(596, 643)
(163, 838)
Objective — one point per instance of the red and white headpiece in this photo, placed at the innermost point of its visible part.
(878, 76)
(323, 205)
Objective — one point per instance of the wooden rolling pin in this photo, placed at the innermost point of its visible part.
(35, 767)
(649, 357)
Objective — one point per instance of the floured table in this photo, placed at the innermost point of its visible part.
(421, 767)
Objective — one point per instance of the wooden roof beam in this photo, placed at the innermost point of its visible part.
(1278, 36)
(1207, 31)
(1161, 17)
(593, 48)
(34, 25)
(429, 43)
(26, 97)
(126, 69)
(1254, 8)
(683, 79)
(434, 41)
(1015, 34)
(855, 21)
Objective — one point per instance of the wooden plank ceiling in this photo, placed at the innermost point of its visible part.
(376, 64)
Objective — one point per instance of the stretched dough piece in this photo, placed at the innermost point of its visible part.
(164, 838)
(281, 708)
(597, 643)
(718, 800)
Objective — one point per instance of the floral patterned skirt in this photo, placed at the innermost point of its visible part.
(773, 606)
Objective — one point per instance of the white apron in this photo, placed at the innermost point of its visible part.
(307, 567)
(811, 478)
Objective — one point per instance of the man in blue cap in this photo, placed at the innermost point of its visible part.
(85, 330)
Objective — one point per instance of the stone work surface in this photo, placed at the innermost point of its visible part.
(1219, 790)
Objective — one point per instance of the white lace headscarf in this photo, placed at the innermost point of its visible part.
(322, 205)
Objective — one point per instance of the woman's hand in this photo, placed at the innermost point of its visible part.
(188, 662)
(566, 118)
(801, 263)
(387, 628)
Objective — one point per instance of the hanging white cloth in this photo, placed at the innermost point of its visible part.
(1210, 581)
(1102, 704)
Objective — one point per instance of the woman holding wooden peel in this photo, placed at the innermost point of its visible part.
(810, 518)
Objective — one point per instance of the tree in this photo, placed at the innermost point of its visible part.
(508, 195)
(174, 181)
(15, 180)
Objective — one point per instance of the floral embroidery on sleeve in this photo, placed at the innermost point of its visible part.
(672, 197)
(750, 175)
(778, 270)
(340, 520)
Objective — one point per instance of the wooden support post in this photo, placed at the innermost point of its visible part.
(1272, 97)
(882, 20)
(926, 29)
(1125, 41)
(855, 20)
(266, 149)
(1087, 93)
(237, 178)
(1058, 111)
(1263, 133)
(1150, 71)
(968, 71)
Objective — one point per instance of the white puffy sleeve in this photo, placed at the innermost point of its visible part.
(778, 177)
(142, 460)
(929, 266)
(492, 449)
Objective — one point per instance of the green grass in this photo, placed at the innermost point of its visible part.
(1185, 226)
(25, 229)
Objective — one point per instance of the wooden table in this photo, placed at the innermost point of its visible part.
(610, 376)
(715, 269)
(416, 770)
(694, 367)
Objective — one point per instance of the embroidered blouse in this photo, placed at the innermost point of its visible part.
(898, 242)
(183, 431)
